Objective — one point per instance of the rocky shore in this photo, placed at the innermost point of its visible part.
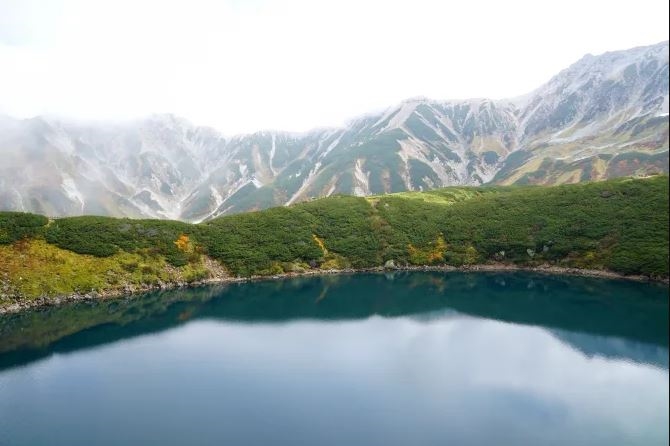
(130, 291)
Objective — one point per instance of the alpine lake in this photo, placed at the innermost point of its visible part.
(402, 358)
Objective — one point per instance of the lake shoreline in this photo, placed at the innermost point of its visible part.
(132, 291)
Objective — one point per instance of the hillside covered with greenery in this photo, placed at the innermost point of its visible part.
(618, 225)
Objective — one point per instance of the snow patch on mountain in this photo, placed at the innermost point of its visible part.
(72, 192)
(273, 149)
(305, 184)
(256, 182)
(664, 107)
(362, 179)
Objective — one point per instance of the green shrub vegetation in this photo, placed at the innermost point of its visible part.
(17, 225)
(104, 236)
(619, 225)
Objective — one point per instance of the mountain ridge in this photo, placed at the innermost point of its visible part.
(602, 117)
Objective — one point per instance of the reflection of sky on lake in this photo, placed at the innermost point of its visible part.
(377, 381)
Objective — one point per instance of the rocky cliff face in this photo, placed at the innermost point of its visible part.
(604, 116)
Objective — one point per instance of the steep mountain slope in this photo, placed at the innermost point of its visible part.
(603, 117)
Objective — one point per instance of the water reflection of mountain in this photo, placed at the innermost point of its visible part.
(615, 348)
(634, 312)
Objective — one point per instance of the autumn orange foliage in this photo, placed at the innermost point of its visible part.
(183, 243)
(431, 254)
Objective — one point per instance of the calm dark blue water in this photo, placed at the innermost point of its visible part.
(396, 359)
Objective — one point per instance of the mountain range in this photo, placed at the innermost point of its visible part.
(604, 116)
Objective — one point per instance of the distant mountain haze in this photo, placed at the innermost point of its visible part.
(603, 117)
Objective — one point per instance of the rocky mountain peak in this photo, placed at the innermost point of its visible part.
(603, 116)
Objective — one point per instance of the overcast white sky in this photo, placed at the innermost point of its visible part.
(245, 65)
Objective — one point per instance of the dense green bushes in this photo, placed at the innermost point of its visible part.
(620, 225)
(250, 243)
(17, 225)
(345, 224)
(253, 242)
(104, 236)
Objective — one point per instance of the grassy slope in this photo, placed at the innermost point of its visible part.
(620, 225)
